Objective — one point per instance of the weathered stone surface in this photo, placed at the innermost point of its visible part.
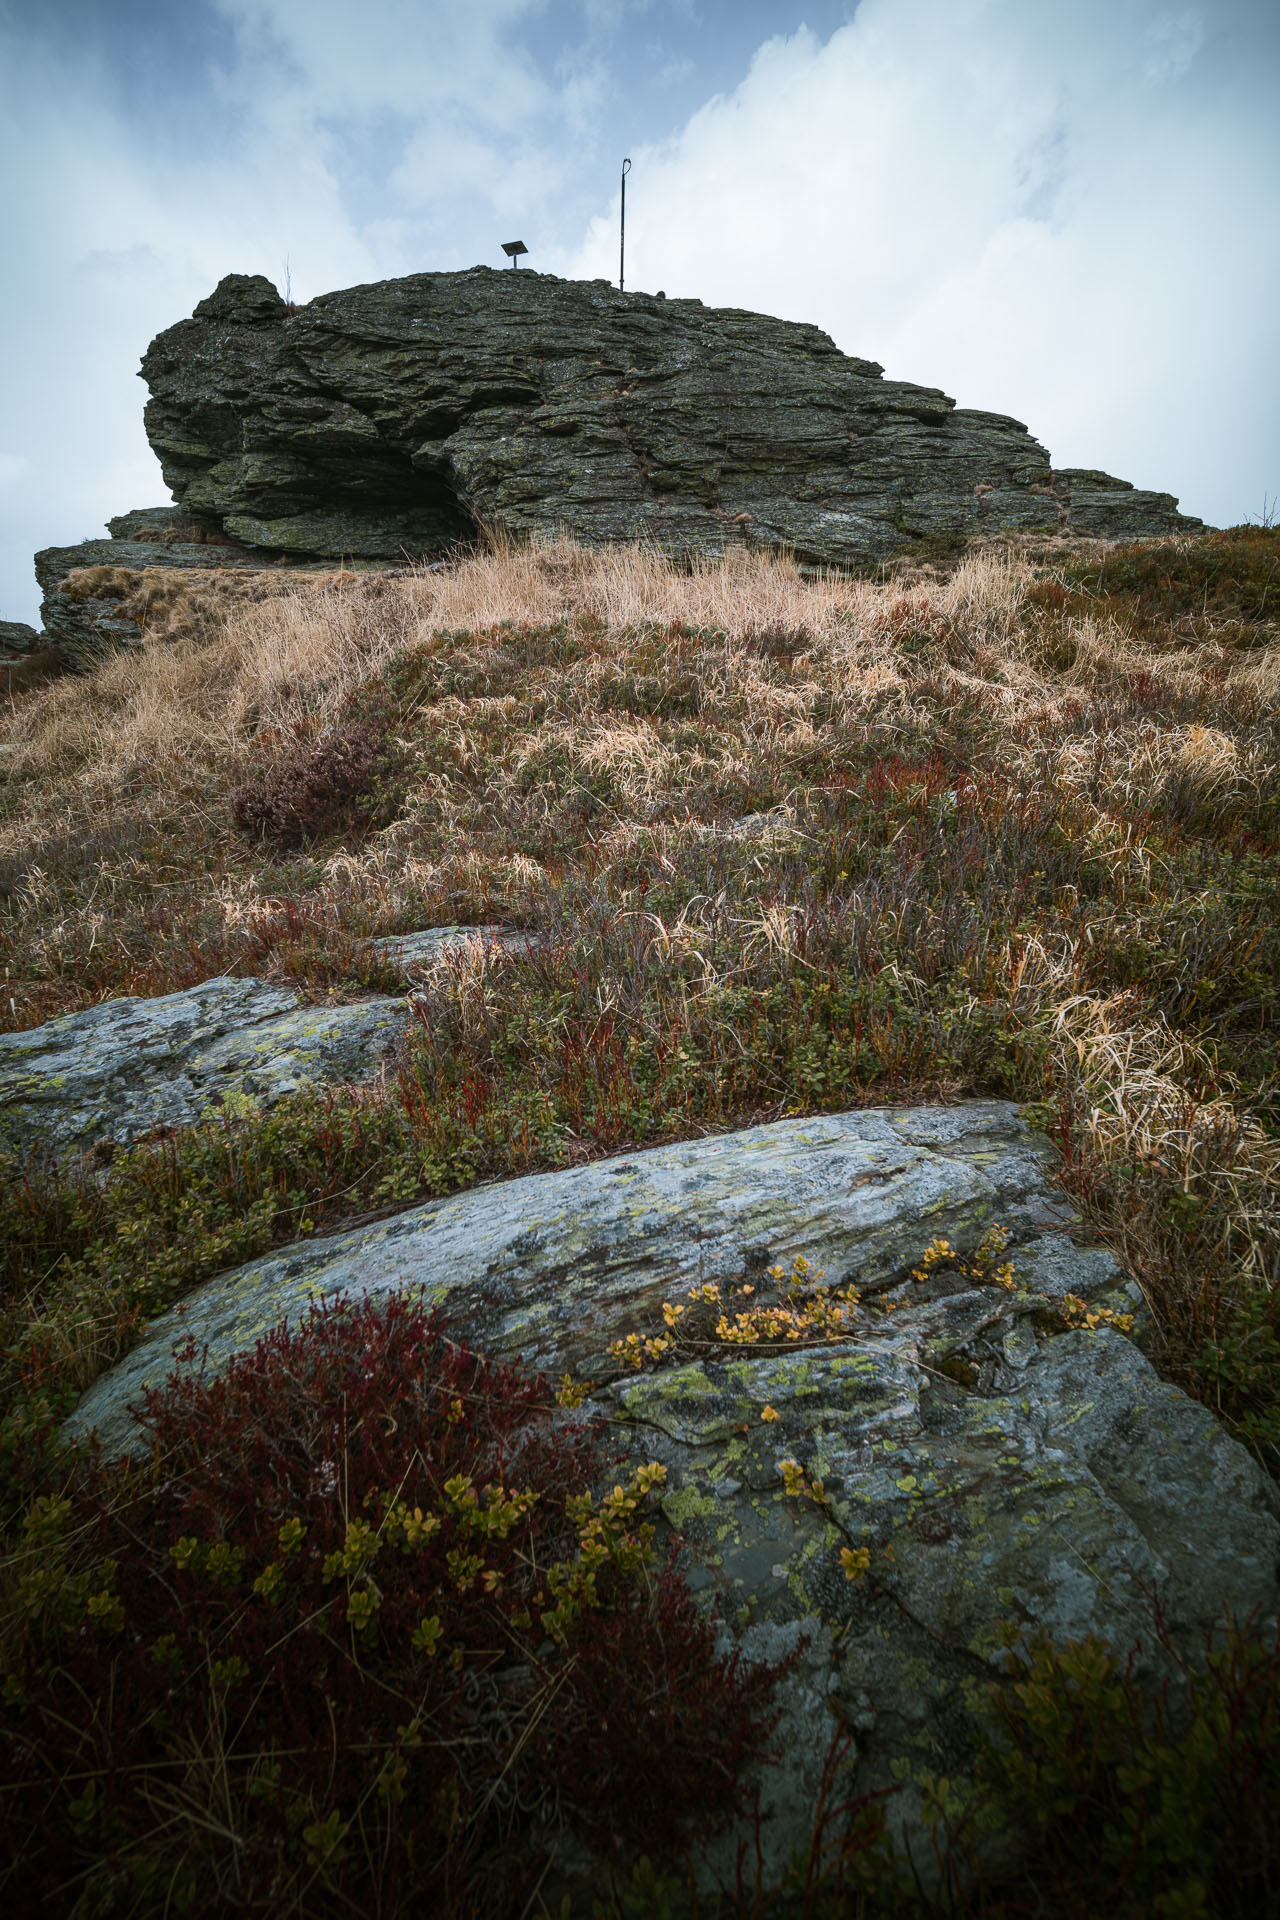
(556, 1266)
(1057, 1490)
(390, 420)
(116, 1071)
(165, 524)
(415, 953)
(95, 597)
(17, 637)
(1099, 506)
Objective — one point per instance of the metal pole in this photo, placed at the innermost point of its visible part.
(622, 239)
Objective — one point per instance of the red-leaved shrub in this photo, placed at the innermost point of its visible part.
(361, 1632)
(346, 780)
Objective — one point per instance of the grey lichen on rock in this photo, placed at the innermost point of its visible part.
(1060, 1490)
(557, 1266)
(126, 1067)
(393, 420)
(412, 954)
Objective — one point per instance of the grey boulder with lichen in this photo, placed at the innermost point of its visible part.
(118, 1071)
(996, 1465)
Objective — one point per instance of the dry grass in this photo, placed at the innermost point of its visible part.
(230, 655)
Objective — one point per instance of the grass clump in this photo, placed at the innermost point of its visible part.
(362, 1627)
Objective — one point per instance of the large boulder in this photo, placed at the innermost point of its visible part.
(996, 1465)
(393, 420)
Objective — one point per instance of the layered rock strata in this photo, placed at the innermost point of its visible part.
(994, 1466)
(394, 420)
(97, 593)
(16, 637)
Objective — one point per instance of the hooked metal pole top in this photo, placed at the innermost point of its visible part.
(622, 232)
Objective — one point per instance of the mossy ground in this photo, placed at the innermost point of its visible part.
(784, 846)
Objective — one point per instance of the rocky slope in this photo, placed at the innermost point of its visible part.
(394, 419)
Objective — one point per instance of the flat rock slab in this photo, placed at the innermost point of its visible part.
(415, 953)
(1059, 1490)
(117, 1071)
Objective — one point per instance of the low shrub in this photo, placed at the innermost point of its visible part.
(1124, 1806)
(1232, 575)
(359, 1630)
(344, 780)
(1130, 1805)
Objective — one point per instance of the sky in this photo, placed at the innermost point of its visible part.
(1058, 209)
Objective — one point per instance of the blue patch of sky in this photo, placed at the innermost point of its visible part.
(163, 63)
(663, 59)
(171, 72)
(650, 65)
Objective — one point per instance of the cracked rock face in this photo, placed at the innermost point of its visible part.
(119, 1070)
(995, 1467)
(390, 420)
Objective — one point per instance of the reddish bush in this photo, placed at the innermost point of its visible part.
(356, 1631)
(346, 780)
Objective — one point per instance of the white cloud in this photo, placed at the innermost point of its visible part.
(1173, 40)
(116, 234)
(1060, 213)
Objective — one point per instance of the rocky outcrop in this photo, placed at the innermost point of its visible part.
(122, 1069)
(993, 1465)
(99, 593)
(393, 420)
(16, 637)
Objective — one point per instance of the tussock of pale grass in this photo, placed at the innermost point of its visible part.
(169, 708)
(628, 586)
(1152, 1118)
(292, 660)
